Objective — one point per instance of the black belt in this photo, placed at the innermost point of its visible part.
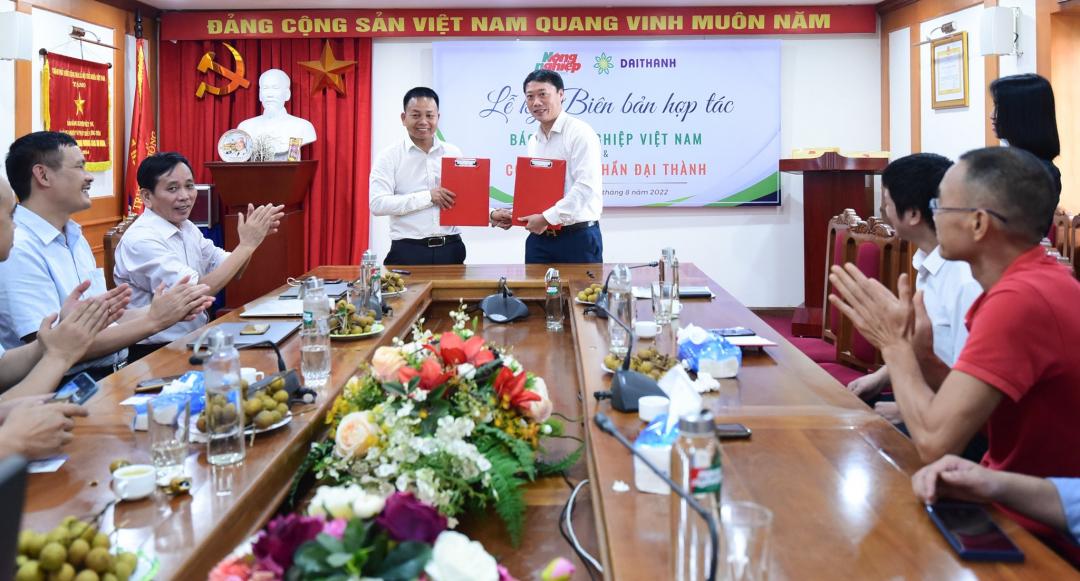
(432, 241)
(571, 228)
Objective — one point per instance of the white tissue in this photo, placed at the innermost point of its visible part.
(684, 397)
(692, 333)
(705, 383)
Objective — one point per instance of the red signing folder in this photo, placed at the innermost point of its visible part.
(470, 180)
(538, 185)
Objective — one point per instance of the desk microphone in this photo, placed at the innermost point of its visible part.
(627, 386)
(602, 298)
(606, 425)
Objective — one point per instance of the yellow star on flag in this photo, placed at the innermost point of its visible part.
(79, 105)
(327, 70)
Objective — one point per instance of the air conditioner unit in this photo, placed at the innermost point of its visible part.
(998, 31)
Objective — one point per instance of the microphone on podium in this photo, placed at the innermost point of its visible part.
(606, 425)
(602, 298)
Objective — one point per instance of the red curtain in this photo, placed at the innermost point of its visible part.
(337, 207)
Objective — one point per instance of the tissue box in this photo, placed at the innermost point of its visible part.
(706, 352)
(191, 384)
(654, 442)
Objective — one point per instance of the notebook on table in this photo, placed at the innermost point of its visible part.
(333, 290)
(276, 332)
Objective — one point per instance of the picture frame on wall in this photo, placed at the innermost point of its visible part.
(949, 72)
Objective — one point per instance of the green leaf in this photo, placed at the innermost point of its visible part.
(338, 560)
(379, 549)
(547, 469)
(318, 452)
(355, 536)
(395, 388)
(330, 543)
(405, 562)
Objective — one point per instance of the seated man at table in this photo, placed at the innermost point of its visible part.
(907, 186)
(1054, 502)
(406, 186)
(162, 246)
(1018, 372)
(51, 258)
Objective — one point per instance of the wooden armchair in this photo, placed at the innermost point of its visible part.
(875, 250)
(111, 243)
(1063, 230)
(836, 252)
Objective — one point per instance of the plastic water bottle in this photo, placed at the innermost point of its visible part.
(553, 300)
(224, 402)
(315, 334)
(695, 466)
(621, 305)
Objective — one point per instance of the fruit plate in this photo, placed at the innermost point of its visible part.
(375, 330)
(396, 294)
(198, 435)
(607, 369)
(581, 302)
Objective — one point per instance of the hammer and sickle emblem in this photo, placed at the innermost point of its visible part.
(236, 78)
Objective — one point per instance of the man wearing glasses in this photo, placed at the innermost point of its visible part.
(1018, 374)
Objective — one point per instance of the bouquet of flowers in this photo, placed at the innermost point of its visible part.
(449, 418)
(351, 534)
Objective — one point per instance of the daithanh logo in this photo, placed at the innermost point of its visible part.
(559, 62)
(647, 63)
(604, 64)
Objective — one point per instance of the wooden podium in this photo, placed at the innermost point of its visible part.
(282, 254)
(831, 183)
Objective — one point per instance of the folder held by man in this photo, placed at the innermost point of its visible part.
(538, 185)
(470, 180)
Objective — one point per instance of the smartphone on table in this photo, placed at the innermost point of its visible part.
(972, 533)
(77, 391)
(732, 431)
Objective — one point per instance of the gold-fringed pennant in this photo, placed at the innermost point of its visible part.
(328, 70)
(75, 99)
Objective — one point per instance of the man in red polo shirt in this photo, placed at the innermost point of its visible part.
(1018, 375)
(1019, 372)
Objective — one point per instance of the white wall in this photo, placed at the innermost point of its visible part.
(900, 92)
(51, 32)
(951, 132)
(7, 96)
(832, 97)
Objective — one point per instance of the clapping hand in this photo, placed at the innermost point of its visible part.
(258, 223)
(76, 332)
(182, 302)
(883, 319)
(116, 301)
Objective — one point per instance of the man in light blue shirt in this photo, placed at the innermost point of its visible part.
(50, 257)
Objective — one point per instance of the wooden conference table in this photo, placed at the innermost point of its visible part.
(835, 475)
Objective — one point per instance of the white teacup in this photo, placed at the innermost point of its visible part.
(251, 375)
(646, 329)
(651, 406)
(134, 482)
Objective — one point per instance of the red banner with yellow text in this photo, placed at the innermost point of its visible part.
(75, 100)
(622, 21)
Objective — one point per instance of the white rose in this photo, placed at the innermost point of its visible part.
(466, 371)
(539, 411)
(367, 505)
(455, 558)
(334, 501)
(355, 434)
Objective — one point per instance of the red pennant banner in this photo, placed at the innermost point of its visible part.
(75, 100)
(143, 137)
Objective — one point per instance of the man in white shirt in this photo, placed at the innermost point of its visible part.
(949, 289)
(162, 246)
(569, 231)
(405, 185)
(50, 258)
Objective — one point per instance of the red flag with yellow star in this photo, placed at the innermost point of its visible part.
(75, 100)
(143, 137)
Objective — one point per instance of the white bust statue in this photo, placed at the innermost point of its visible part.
(275, 121)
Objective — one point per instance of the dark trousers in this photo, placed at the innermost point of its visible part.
(140, 350)
(417, 252)
(578, 247)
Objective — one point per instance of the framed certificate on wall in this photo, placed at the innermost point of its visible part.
(949, 72)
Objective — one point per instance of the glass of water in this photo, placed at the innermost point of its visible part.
(661, 302)
(169, 423)
(314, 356)
(745, 553)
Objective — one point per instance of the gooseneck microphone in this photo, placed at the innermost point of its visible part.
(627, 387)
(602, 298)
(606, 425)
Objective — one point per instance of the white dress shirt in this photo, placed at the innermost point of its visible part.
(402, 178)
(948, 292)
(44, 267)
(154, 251)
(575, 141)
